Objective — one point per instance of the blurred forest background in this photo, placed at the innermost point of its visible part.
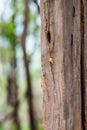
(20, 65)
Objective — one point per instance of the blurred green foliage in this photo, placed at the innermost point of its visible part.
(1, 127)
(8, 31)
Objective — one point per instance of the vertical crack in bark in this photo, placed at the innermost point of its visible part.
(73, 11)
(71, 39)
(49, 36)
(71, 48)
(82, 64)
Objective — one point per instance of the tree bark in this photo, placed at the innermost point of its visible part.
(62, 32)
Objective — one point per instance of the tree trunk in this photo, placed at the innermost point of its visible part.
(12, 78)
(28, 78)
(14, 86)
(64, 64)
(13, 92)
(36, 2)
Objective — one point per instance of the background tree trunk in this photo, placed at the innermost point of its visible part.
(12, 78)
(63, 40)
(29, 86)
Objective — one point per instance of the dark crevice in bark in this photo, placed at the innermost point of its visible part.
(82, 64)
(73, 11)
(71, 49)
(71, 39)
(49, 37)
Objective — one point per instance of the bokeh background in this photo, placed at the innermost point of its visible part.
(20, 65)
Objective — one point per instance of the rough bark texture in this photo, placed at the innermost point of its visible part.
(62, 32)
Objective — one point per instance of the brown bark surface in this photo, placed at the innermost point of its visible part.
(62, 40)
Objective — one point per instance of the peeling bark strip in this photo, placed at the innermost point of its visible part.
(84, 61)
(62, 91)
